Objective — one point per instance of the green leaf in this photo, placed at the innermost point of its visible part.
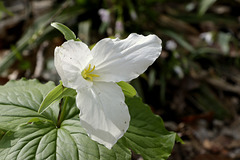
(34, 136)
(127, 89)
(42, 140)
(56, 95)
(29, 135)
(68, 34)
(147, 135)
(20, 100)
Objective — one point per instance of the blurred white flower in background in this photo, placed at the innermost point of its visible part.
(171, 45)
(119, 28)
(104, 15)
(207, 37)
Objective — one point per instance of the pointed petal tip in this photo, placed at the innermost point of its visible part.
(153, 36)
(152, 39)
(100, 136)
(103, 112)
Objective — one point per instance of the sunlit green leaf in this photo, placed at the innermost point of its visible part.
(127, 89)
(56, 95)
(68, 34)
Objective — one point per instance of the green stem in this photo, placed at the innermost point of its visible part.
(62, 111)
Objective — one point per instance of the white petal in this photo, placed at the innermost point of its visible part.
(123, 60)
(70, 59)
(103, 112)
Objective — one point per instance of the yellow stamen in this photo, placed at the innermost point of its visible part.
(86, 73)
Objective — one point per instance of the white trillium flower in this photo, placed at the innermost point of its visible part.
(94, 73)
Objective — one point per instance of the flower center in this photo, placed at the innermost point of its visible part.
(86, 73)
